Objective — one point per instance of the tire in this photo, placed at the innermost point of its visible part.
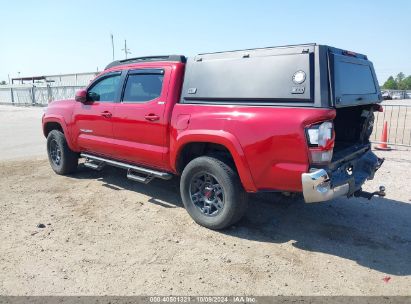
(220, 185)
(62, 160)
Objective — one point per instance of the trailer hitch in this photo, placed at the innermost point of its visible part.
(370, 195)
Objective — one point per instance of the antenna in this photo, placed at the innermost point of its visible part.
(126, 50)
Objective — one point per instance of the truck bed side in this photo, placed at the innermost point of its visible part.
(271, 140)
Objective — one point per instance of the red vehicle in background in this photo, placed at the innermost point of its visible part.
(288, 119)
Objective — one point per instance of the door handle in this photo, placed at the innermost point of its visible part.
(152, 117)
(106, 114)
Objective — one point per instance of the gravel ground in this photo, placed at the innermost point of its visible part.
(20, 132)
(106, 235)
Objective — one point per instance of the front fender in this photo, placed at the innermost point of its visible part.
(220, 137)
(60, 120)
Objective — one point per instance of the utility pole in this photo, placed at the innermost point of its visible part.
(112, 44)
(8, 75)
(126, 50)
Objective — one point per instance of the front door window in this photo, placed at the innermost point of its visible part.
(104, 90)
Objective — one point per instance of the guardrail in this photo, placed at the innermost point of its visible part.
(398, 118)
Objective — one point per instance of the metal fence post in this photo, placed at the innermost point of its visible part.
(12, 96)
(33, 96)
(49, 94)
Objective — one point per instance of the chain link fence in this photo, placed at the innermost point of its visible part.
(35, 95)
(398, 125)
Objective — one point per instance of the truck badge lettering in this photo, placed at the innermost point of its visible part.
(297, 90)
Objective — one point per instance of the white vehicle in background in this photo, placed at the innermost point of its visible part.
(386, 95)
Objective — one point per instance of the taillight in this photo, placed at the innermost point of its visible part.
(320, 139)
(349, 53)
(378, 108)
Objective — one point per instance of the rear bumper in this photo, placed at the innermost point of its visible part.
(342, 180)
(317, 187)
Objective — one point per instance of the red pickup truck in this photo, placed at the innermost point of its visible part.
(287, 119)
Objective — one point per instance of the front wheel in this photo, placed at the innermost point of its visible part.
(62, 159)
(212, 193)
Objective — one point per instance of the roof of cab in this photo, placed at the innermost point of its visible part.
(176, 58)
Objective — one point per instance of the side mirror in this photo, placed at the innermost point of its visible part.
(81, 96)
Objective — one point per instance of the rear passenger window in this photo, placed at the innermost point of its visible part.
(142, 87)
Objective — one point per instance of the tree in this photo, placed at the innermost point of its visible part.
(390, 84)
(406, 83)
(402, 85)
(399, 83)
(400, 77)
(2, 82)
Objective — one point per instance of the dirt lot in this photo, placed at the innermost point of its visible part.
(105, 235)
(20, 132)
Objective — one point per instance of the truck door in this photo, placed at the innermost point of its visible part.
(139, 125)
(92, 120)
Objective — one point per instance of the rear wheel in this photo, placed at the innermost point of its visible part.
(212, 193)
(62, 159)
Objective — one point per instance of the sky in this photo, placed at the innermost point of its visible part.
(52, 37)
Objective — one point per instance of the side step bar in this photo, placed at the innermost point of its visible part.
(96, 162)
(93, 165)
(137, 178)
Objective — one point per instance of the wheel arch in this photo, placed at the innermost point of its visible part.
(194, 144)
(57, 123)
